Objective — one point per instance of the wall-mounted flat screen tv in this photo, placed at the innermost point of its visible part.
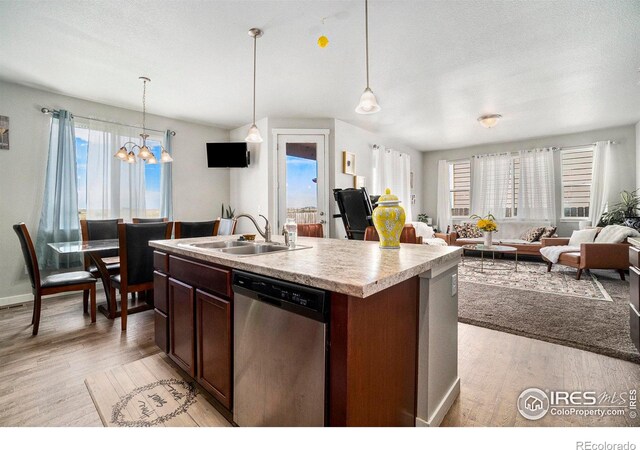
(227, 154)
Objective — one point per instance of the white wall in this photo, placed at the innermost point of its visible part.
(638, 155)
(359, 142)
(198, 191)
(624, 150)
(249, 186)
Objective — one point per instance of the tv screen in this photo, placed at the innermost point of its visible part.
(227, 154)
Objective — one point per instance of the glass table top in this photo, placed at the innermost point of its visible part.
(82, 247)
(492, 248)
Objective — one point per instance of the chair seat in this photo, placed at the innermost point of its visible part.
(116, 280)
(67, 279)
(110, 268)
(570, 257)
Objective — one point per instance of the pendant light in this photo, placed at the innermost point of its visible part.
(489, 120)
(126, 153)
(254, 134)
(368, 102)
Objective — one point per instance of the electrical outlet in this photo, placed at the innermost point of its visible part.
(454, 284)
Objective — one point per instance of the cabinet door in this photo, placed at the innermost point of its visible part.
(181, 320)
(160, 284)
(213, 325)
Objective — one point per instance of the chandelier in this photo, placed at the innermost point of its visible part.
(126, 152)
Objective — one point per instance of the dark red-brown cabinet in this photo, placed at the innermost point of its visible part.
(182, 326)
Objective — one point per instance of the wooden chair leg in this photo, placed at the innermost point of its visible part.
(93, 303)
(85, 301)
(621, 272)
(33, 314)
(112, 303)
(579, 274)
(549, 264)
(124, 305)
(37, 306)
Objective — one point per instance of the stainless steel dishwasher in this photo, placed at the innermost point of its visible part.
(280, 352)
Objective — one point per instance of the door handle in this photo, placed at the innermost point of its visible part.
(322, 213)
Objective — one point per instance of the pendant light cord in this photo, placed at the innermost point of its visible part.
(254, 78)
(366, 36)
(144, 112)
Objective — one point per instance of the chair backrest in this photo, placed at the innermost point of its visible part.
(225, 227)
(408, 235)
(95, 230)
(29, 253)
(136, 256)
(355, 211)
(310, 230)
(149, 219)
(194, 229)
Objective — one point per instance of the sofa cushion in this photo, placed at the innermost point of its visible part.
(582, 236)
(423, 230)
(517, 242)
(615, 234)
(570, 257)
(467, 230)
(532, 234)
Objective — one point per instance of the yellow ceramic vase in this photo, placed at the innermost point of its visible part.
(389, 218)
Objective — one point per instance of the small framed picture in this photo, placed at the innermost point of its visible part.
(348, 163)
(4, 133)
(359, 182)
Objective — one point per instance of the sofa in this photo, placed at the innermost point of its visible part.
(508, 233)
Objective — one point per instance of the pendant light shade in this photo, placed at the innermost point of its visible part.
(121, 153)
(165, 157)
(368, 102)
(144, 152)
(254, 133)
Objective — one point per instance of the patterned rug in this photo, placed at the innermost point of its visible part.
(150, 393)
(533, 276)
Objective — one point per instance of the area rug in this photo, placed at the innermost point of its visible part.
(551, 308)
(150, 393)
(533, 276)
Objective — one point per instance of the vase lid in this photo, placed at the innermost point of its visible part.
(388, 197)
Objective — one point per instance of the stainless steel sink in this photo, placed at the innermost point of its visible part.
(217, 244)
(255, 249)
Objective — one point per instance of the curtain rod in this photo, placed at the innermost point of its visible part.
(569, 147)
(54, 111)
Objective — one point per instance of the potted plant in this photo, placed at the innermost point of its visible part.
(624, 212)
(488, 225)
(227, 213)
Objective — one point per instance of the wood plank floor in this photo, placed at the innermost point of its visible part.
(42, 377)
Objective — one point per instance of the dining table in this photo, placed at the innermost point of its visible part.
(94, 249)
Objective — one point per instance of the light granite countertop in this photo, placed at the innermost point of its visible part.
(356, 268)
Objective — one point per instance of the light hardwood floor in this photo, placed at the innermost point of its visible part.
(42, 377)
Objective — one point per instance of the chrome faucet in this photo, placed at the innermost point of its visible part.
(266, 234)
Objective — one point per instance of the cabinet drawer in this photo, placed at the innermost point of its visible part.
(160, 288)
(634, 287)
(202, 276)
(161, 330)
(634, 322)
(161, 261)
(634, 256)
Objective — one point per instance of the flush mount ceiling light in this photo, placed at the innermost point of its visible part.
(489, 120)
(368, 102)
(254, 134)
(125, 153)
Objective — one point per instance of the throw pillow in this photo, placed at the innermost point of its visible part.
(467, 231)
(423, 230)
(581, 236)
(614, 234)
(549, 232)
(532, 234)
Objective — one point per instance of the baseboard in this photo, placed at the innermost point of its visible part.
(442, 409)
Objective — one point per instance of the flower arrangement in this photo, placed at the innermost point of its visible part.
(486, 223)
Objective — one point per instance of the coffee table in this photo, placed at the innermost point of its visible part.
(493, 249)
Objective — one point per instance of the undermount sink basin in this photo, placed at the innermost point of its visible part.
(255, 249)
(218, 244)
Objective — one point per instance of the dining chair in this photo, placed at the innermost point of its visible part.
(53, 283)
(408, 235)
(136, 261)
(194, 229)
(225, 227)
(310, 230)
(149, 219)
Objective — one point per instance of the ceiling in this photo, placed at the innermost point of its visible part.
(547, 67)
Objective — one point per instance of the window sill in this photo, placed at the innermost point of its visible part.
(573, 219)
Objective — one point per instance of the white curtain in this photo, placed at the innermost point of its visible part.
(601, 181)
(392, 169)
(490, 184)
(443, 209)
(536, 196)
(115, 189)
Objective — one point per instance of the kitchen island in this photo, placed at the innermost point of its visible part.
(390, 334)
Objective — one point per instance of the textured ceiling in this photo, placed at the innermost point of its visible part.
(547, 67)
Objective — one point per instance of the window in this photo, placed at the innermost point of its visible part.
(460, 185)
(107, 187)
(577, 168)
(511, 207)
